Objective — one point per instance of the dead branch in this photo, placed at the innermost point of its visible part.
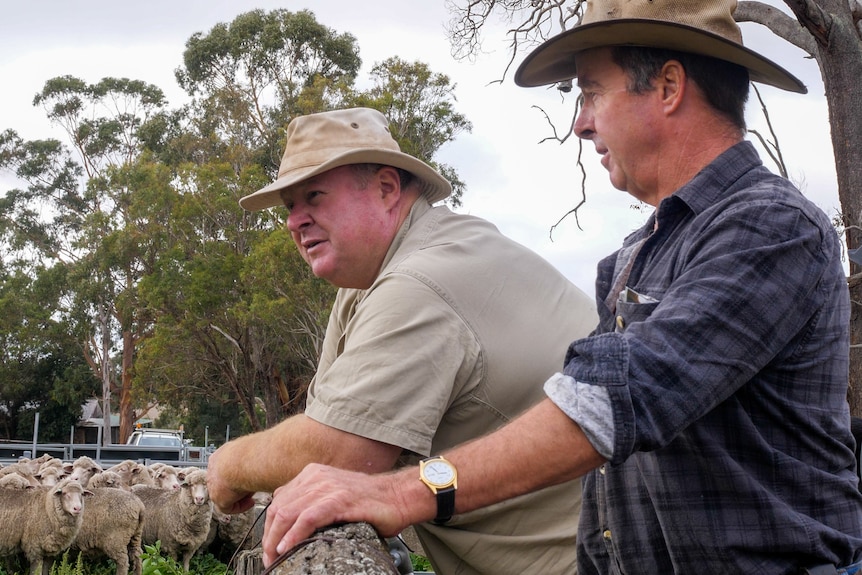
(780, 23)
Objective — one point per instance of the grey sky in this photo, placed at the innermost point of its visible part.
(518, 184)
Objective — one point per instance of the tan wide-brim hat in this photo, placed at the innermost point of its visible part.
(703, 27)
(320, 142)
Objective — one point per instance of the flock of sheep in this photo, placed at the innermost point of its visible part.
(48, 506)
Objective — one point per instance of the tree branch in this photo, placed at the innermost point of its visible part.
(778, 22)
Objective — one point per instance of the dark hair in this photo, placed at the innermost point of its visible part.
(363, 173)
(724, 84)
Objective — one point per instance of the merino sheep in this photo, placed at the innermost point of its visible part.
(180, 519)
(235, 534)
(51, 475)
(165, 476)
(133, 473)
(113, 525)
(41, 522)
(15, 481)
(83, 469)
(22, 469)
(107, 478)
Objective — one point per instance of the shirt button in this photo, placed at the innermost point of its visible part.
(607, 534)
(621, 323)
(602, 469)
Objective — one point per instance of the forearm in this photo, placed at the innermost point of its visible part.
(543, 447)
(265, 460)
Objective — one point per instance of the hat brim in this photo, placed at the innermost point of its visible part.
(434, 186)
(553, 61)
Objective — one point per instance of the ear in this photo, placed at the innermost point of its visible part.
(672, 83)
(390, 185)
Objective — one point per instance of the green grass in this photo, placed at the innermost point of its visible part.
(152, 563)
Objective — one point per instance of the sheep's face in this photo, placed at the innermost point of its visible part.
(71, 496)
(196, 486)
(166, 478)
(83, 469)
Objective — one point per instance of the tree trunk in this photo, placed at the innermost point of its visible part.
(104, 320)
(127, 414)
(839, 54)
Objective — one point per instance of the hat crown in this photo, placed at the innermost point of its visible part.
(317, 138)
(320, 142)
(715, 16)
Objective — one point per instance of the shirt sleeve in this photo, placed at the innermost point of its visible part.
(744, 287)
(405, 358)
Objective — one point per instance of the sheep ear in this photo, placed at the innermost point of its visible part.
(87, 493)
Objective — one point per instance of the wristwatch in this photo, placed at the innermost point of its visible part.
(442, 479)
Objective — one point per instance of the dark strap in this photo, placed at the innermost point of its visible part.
(445, 505)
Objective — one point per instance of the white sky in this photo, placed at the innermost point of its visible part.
(521, 186)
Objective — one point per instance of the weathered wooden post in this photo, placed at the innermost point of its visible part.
(350, 549)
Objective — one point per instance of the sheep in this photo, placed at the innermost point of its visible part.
(50, 475)
(15, 481)
(113, 525)
(83, 469)
(218, 518)
(22, 469)
(235, 534)
(41, 522)
(180, 519)
(165, 476)
(133, 473)
(107, 478)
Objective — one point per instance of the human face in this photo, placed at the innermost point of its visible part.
(342, 231)
(621, 124)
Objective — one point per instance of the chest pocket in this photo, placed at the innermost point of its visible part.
(629, 313)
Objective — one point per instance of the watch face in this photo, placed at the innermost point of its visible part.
(439, 472)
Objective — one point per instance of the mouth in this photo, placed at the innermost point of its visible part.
(309, 245)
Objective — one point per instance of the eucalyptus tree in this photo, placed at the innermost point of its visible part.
(420, 105)
(215, 330)
(240, 316)
(75, 211)
(41, 366)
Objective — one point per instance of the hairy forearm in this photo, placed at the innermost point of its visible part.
(541, 448)
(265, 460)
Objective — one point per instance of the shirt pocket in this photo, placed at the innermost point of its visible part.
(629, 313)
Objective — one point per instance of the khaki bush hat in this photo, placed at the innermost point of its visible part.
(703, 27)
(319, 142)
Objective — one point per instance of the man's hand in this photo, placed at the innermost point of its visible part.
(227, 499)
(321, 496)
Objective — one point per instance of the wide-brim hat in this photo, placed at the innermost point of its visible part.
(320, 142)
(704, 27)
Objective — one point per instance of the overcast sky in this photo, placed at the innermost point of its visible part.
(520, 185)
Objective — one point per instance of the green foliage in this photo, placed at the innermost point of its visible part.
(420, 563)
(64, 567)
(154, 563)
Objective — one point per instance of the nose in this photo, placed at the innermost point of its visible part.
(297, 219)
(583, 126)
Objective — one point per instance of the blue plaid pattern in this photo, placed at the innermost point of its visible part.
(732, 446)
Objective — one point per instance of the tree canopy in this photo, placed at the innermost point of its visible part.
(129, 264)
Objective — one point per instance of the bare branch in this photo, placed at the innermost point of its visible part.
(780, 23)
(772, 148)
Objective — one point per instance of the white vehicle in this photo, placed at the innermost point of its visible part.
(156, 437)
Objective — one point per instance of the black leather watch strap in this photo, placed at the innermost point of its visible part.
(445, 505)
